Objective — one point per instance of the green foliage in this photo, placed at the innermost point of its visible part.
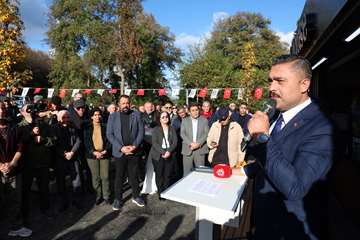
(238, 54)
(91, 37)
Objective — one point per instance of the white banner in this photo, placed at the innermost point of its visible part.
(50, 92)
(24, 92)
(127, 92)
(74, 91)
(175, 92)
(214, 93)
(100, 92)
(192, 93)
(240, 93)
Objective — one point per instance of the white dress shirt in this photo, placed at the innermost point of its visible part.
(291, 113)
(194, 123)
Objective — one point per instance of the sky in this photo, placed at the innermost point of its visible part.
(190, 20)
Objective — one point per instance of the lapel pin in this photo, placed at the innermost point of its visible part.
(296, 124)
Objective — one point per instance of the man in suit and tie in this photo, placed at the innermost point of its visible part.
(125, 131)
(194, 132)
(292, 166)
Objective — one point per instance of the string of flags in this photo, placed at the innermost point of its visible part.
(191, 93)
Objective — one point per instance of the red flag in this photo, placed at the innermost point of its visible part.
(227, 93)
(162, 92)
(113, 91)
(62, 93)
(202, 93)
(140, 92)
(37, 90)
(258, 93)
(87, 91)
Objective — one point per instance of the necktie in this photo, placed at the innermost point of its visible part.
(277, 127)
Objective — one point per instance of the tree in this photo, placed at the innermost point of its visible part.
(91, 37)
(238, 54)
(12, 47)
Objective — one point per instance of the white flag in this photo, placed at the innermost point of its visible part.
(175, 92)
(240, 93)
(192, 93)
(74, 91)
(214, 93)
(50, 92)
(127, 92)
(24, 91)
(100, 92)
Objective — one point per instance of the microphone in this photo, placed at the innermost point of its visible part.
(269, 109)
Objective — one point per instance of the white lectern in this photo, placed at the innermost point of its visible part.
(216, 200)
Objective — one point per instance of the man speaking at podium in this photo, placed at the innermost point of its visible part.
(291, 167)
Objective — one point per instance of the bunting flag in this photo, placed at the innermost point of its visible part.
(258, 93)
(87, 91)
(24, 92)
(175, 92)
(240, 93)
(140, 92)
(113, 91)
(162, 92)
(127, 92)
(50, 92)
(214, 93)
(62, 93)
(74, 91)
(227, 93)
(100, 92)
(202, 93)
(192, 93)
(37, 90)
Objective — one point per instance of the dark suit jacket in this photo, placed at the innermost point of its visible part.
(157, 138)
(289, 189)
(113, 132)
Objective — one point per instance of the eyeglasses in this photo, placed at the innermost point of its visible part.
(167, 107)
(79, 108)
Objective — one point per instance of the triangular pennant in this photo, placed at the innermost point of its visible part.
(140, 92)
(175, 92)
(192, 93)
(24, 92)
(37, 90)
(202, 93)
(87, 91)
(227, 93)
(127, 92)
(214, 93)
(258, 93)
(162, 92)
(74, 91)
(100, 92)
(113, 91)
(62, 93)
(50, 92)
(240, 93)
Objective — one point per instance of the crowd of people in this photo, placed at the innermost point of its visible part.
(161, 144)
(155, 145)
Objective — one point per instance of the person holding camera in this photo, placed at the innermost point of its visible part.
(37, 155)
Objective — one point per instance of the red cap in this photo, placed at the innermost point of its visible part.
(222, 171)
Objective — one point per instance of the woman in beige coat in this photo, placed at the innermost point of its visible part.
(224, 141)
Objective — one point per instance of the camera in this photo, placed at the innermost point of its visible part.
(36, 107)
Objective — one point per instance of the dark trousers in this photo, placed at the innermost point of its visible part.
(130, 165)
(42, 176)
(10, 196)
(163, 169)
(64, 168)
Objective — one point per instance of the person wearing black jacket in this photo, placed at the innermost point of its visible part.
(162, 153)
(98, 150)
(66, 162)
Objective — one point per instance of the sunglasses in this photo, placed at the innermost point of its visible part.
(79, 108)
